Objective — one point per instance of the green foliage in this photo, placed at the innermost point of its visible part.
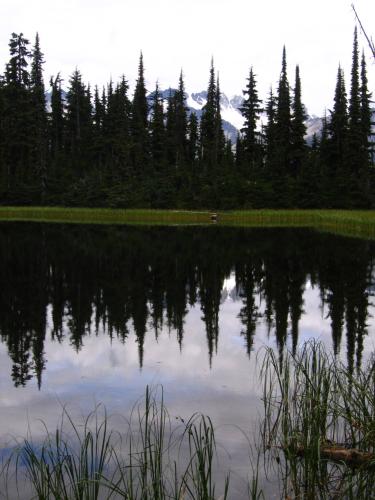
(110, 150)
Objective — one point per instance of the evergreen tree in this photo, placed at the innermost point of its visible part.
(208, 127)
(157, 130)
(56, 121)
(181, 123)
(220, 142)
(99, 116)
(298, 130)
(337, 172)
(38, 132)
(193, 139)
(270, 128)
(354, 145)
(366, 128)
(78, 122)
(119, 114)
(283, 123)
(139, 125)
(251, 109)
(170, 140)
(17, 121)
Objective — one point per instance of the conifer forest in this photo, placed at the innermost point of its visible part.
(106, 148)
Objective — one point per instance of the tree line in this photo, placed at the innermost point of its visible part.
(130, 283)
(92, 147)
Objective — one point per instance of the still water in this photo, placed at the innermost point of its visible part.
(93, 314)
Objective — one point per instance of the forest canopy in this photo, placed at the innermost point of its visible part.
(103, 147)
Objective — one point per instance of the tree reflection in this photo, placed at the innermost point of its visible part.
(73, 281)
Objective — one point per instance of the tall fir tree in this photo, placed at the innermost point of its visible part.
(99, 116)
(354, 117)
(251, 110)
(78, 123)
(270, 131)
(208, 128)
(118, 109)
(57, 158)
(338, 180)
(181, 123)
(140, 145)
(17, 121)
(367, 145)
(157, 130)
(193, 139)
(283, 122)
(298, 154)
(220, 142)
(38, 132)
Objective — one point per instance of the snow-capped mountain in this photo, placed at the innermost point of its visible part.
(232, 118)
(230, 112)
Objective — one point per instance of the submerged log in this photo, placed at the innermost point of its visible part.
(336, 453)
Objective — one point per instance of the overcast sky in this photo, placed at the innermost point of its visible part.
(103, 38)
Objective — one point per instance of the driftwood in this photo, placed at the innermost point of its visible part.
(336, 453)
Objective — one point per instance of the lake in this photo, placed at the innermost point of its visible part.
(93, 314)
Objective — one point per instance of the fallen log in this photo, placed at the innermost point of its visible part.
(336, 453)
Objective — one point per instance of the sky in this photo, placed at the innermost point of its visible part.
(103, 38)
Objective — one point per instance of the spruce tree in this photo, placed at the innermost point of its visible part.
(208, 128)
(366, 124)
(220, 142)
(170, 139)
(56, 121)
(193, 139)
(337, 171)
(17, 121)
(283, 123)
(181, 120)
(354, 145)
(157, 131)
(298, 130)
(139, 125)
(251, 110)
(121, 124)
(99, 113)
(38, 132)
(57, 183)
(78, 122)
(270, 131)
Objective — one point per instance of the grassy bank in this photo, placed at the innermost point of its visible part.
(348, 222)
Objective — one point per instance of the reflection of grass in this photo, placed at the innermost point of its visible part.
(93, 462)
(355, 222)
(319, 426)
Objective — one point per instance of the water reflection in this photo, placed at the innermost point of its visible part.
(67, 284)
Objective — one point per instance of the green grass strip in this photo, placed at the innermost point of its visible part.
(359, 223)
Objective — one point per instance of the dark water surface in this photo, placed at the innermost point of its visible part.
(93, 314)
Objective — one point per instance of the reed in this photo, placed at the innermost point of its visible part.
(92, 462)
(319, 424)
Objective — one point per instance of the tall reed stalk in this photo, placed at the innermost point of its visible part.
(319, 424)
(91, 462)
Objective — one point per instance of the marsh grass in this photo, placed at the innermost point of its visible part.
(359, 223)
(90, 462)
(319, 424)
(317, 436)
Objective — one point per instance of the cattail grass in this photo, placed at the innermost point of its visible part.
(318, 427)
(90, 462)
